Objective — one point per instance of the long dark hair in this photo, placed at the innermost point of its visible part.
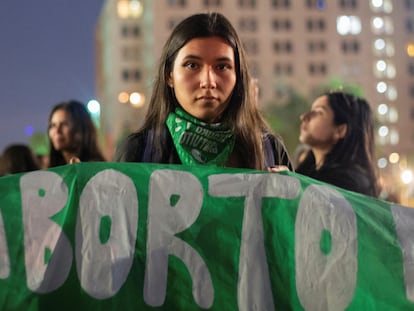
(357, 147)
(84, 134)
(17, 158)
(241, 114)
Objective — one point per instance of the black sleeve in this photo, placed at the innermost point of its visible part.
(131, 149)
(275, 152)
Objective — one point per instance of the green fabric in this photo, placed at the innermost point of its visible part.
(95, 236)
(197, 142)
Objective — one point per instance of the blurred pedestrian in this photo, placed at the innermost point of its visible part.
(72, 135)
(203, 107)
(339, 129)
(17, 158)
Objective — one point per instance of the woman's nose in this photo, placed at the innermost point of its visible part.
(207, 79)
(305, 116)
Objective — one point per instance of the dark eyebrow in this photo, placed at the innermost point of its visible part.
(220, 59)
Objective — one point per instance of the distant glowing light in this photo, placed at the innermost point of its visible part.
(383, 131)
(382, 163)
(123, 97)
(320, 4)
(382, 109)
(377, 3)
(410, 49)
(29, 130)
(136, 99)
(407, 176)
(379, 44)
(394, 157)
(378, 22)
(348, 25)
(94, 107)
(381, 65)
(381, 87)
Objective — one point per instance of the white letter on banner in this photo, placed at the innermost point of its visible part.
(325, 279)
(104, 266)
(254, 288)
(404, 222)
(4, 252)
(44, 194)
(165, 219)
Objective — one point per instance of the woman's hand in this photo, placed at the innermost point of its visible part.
(277, 168)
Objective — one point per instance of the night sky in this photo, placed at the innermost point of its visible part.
(47, 55)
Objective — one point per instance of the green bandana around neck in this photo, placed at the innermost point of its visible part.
(198, 142)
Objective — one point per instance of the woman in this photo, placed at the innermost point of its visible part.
(17, 158)
(203, 109)
(72, 135)
(340, 132)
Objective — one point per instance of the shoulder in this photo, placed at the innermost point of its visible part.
(132, 148)
(350, 177)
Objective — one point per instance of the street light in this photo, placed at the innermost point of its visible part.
(94, 107)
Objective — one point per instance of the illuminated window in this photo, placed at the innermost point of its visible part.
(383, 47)
(384, 69)
(348, 25)
(382, 25)
(129, 8)
(381, 6)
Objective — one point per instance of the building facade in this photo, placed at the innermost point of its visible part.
(298, 45)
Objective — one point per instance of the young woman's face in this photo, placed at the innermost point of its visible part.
(203, 77)
(318, 129)
(60, 130)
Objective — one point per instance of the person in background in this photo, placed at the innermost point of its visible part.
(203, 109)
(17, 158)
(339, 129)
(72, 135)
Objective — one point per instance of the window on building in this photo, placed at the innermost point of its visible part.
(412, 91)
(315, 4)
(347, 4)
(130, 31)
(280, 46)
(131, 53)
(281, 4)
(211, 3)
(409, 25)
(315, 69)
(409, 4)
(315, 25)
(248, 24)
(131, 75)
(283, 69)
(316, 46)
(281, 25)
(381, 6)
(350, 46)
(177, 3)
(247, 3)
(411, 69)
(251, 46)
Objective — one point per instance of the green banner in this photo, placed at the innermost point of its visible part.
(131, 236)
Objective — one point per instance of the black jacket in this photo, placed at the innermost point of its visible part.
(137, 148)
